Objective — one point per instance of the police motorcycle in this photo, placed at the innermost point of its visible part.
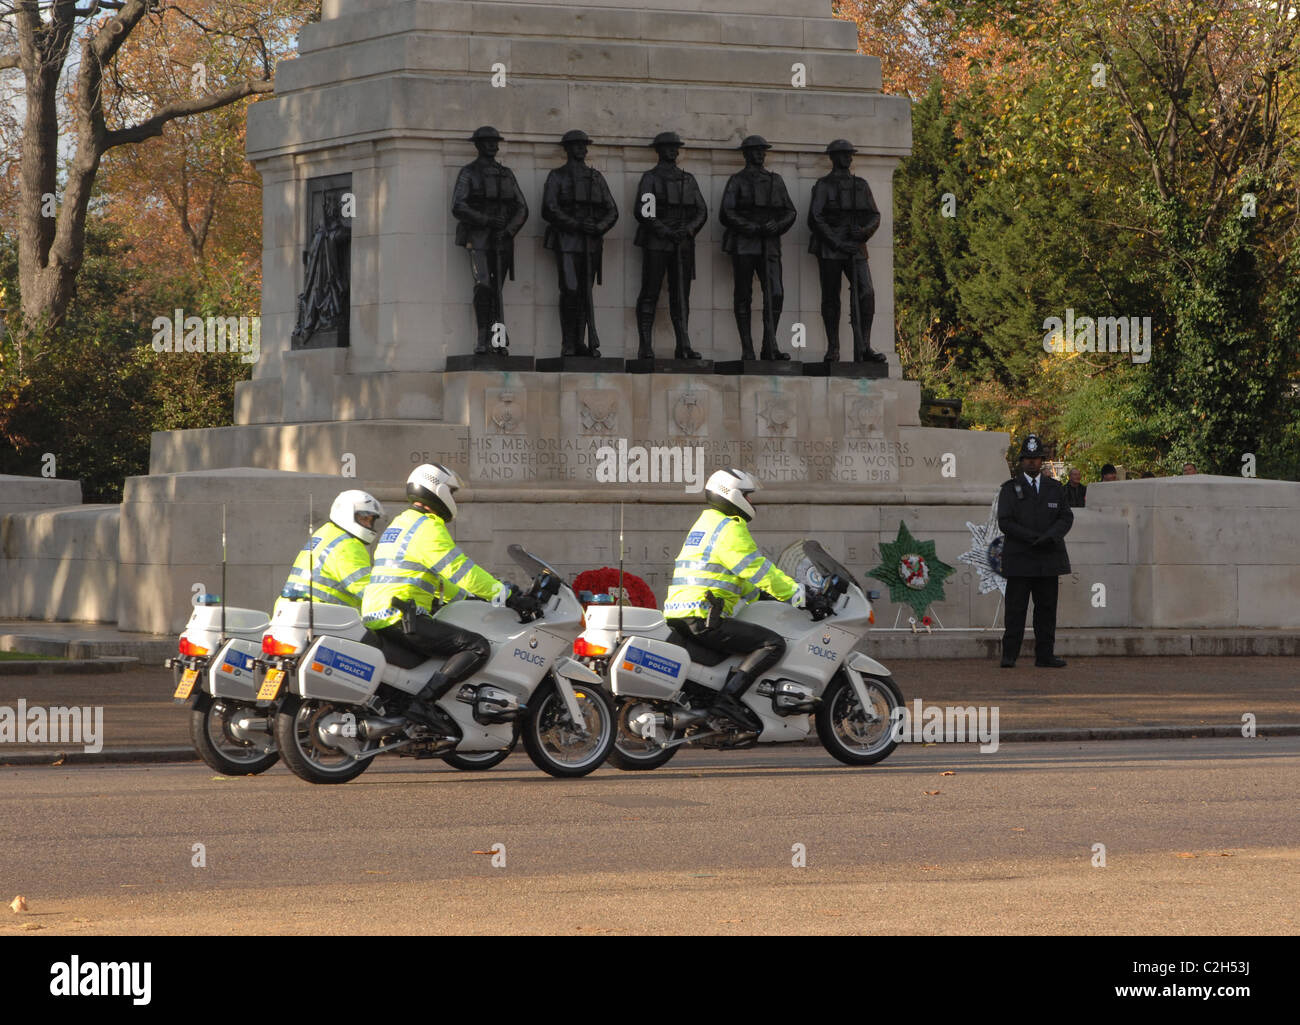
(347, 691)
(664, 682)
(215, 673)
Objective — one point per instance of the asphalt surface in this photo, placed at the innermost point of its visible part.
(1089, 694)
(1200, 836)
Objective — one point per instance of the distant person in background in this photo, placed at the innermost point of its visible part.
(1048, 471)
(1108, 472)
(1075, 492)
(1189, 469)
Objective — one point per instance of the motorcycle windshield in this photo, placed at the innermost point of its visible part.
(532, 565)
(826, 565)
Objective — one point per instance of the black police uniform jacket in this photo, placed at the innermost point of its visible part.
(1025, 516)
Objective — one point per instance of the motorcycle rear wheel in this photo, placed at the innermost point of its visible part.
(219, 749)
(632, 753)
(307, 757)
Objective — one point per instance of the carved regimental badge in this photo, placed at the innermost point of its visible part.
(505, 411)
(776, 415)
(690, 413)
(598, 411)
(863, 417)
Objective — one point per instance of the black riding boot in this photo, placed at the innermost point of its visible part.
(423, 708)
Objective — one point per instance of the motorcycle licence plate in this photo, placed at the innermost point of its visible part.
(271, 685)
(186, 685)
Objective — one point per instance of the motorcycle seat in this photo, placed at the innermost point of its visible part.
(394, 652)
(698, 652)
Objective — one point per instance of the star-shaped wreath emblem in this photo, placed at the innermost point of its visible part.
(986, 552)
(911, 570)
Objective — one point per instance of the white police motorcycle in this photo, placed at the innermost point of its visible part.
(664, 682)
(347, 692)
(215, 673)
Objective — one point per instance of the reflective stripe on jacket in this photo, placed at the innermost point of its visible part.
(340, 569)
(416, 560)
(720, 556)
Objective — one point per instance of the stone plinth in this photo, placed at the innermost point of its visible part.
(1209, 551)
(27, 494)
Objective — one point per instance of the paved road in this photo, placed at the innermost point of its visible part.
(1201, 836)
(1091, 693)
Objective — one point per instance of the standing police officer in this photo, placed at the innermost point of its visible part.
(491, 209)
(756, 212)
(1035, 517)
(578, 210)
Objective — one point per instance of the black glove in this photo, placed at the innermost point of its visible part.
(525, 604)
(1043, 543)
(820, 606)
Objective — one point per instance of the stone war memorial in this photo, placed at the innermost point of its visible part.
(584, 252)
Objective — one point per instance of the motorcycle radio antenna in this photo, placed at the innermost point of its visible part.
(311, 569)
(223, 571)
(620, 572)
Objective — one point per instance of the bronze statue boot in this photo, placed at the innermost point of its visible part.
(483, 310)
(868, 355)
(770, 351)
(746, 336)
(569, 329)
(684, 350)
(645, 326)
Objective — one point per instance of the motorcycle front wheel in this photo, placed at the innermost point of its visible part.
(219, 748)
(852, 734)
(298, 727)
(555, 744)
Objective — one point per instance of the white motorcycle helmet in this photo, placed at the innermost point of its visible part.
(348, 510)
(434, 485)
(728, 491)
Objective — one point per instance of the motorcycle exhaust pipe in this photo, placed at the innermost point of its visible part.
(249, 727)
(377, 729)
(680, 718)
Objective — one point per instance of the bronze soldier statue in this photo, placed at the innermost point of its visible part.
(578, 210)
(756, 212)
(667, 238)
(842, 217)
(491, 209)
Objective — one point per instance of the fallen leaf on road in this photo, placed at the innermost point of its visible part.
(929, 868)
(18, 904)
(948, 772)
(29, 926)
(1017, 829)
(483, 852)
(1220, 854)
(931, 793)
(376, 872)
(60, 760)
(1185, 854)
(221, 779)
(731, 921)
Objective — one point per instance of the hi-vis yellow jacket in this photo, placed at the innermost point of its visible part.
(339, 569)
(720, 556)
(417, 560)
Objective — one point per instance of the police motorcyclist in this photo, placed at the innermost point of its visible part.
(721, 559)
(417, 563)
(334, 566)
